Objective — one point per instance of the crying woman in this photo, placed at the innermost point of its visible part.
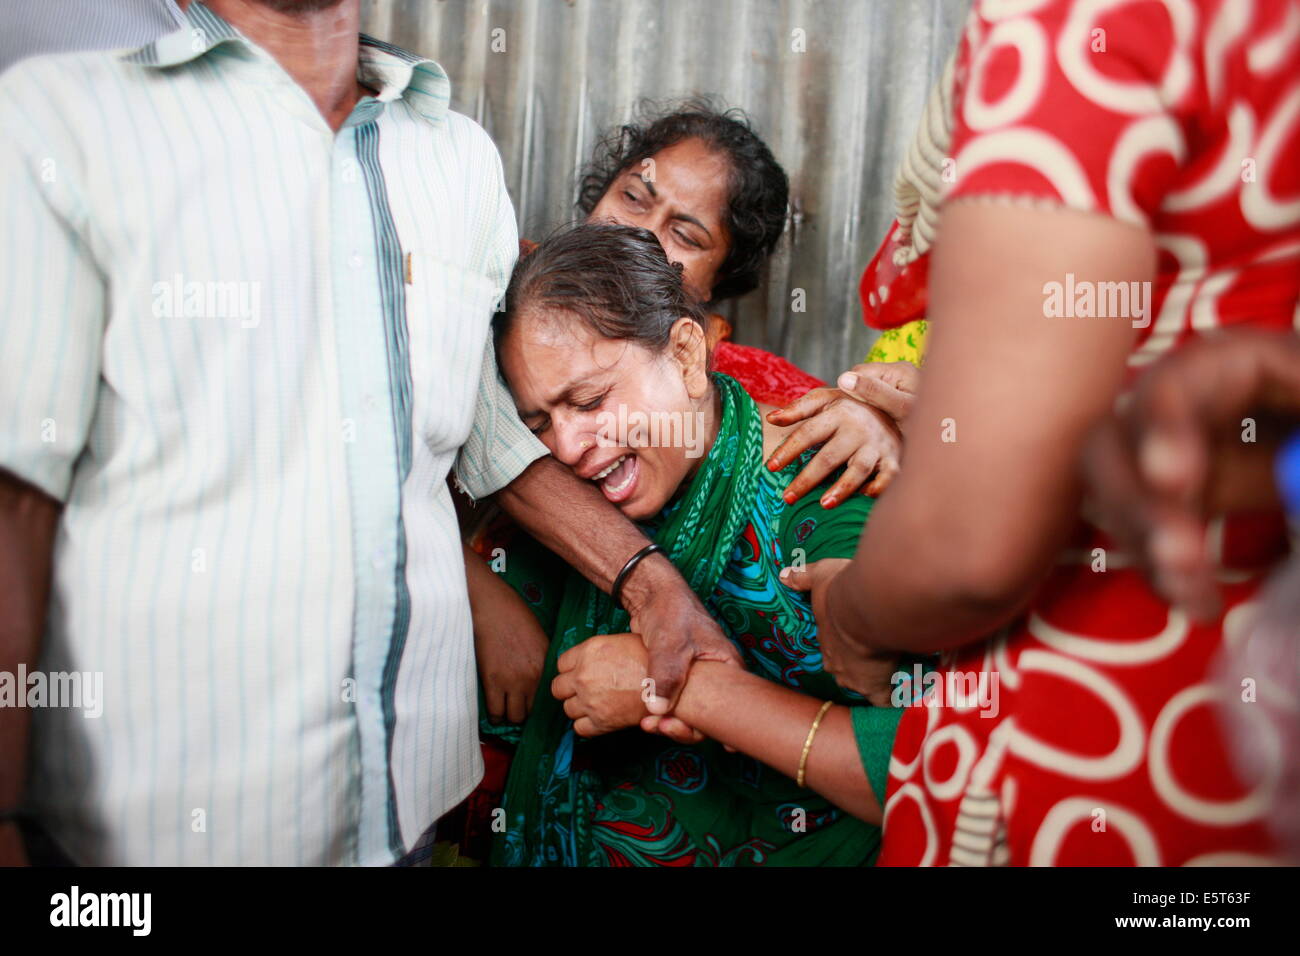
(772, 764)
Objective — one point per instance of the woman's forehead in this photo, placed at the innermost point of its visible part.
(690, 173)
(564, 336)
(551, 327)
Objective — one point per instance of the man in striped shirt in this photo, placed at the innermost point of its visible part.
(244, 310)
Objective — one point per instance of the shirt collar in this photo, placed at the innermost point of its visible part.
(394, 72)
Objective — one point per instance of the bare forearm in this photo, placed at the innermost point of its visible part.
(27, 522)
(482, 583)
(911, 590)
(770, 723)
(572, 518)
(991, 488)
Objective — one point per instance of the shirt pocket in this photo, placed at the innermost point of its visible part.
(449, 311)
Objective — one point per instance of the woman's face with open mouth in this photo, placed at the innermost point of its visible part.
(573, 388)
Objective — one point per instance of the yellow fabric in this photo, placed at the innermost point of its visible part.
(903, 344)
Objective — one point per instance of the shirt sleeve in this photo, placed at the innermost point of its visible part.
(52, 296)
(1061, 106)
(874, 729)
(500, 446)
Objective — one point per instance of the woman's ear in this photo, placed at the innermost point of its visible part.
(689, 348)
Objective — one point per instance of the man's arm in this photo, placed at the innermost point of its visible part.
(572, 518)
(28, 518)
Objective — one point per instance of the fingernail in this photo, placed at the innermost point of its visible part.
(787, 497)
(828, 501)
(1173, 549)
(785, 573)
(771, 464)
(848, 381)
(1159, 458)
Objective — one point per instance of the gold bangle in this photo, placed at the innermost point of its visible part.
(807, 744)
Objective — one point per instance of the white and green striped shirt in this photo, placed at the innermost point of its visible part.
(246, 351)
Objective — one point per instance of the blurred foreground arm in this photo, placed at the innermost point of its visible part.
(1199, 438)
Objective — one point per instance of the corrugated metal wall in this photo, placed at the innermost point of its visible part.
(837, 115)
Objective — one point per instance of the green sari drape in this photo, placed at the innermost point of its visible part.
(637, 798)
(550, 802)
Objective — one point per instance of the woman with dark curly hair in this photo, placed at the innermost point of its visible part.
(704, 183)
(699, 177)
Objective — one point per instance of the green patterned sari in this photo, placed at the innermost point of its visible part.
(632, 798)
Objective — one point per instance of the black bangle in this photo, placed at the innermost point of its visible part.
(616, 590)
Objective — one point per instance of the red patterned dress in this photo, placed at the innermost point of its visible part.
(768, 378)
(1183, 117)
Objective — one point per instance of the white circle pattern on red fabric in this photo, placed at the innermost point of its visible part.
(1137, 99)
(957, 736)
(1051, 159)
(1226, 174)
(1192, 255)
(1267, 53)
(1127, 753)
(1110, 651)
(1212, 812)
(1030, 43)
(1225, 30)
(1008, 796)
(904, 771)
(917, 795)
(1152, 134)
(1204, 311)
(1064, 815)
(1263, 210)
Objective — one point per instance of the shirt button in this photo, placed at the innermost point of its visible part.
(377, 559)
(354, 261)
(368, 403)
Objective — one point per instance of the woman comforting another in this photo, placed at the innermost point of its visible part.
(708, 187)
(599, 329)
